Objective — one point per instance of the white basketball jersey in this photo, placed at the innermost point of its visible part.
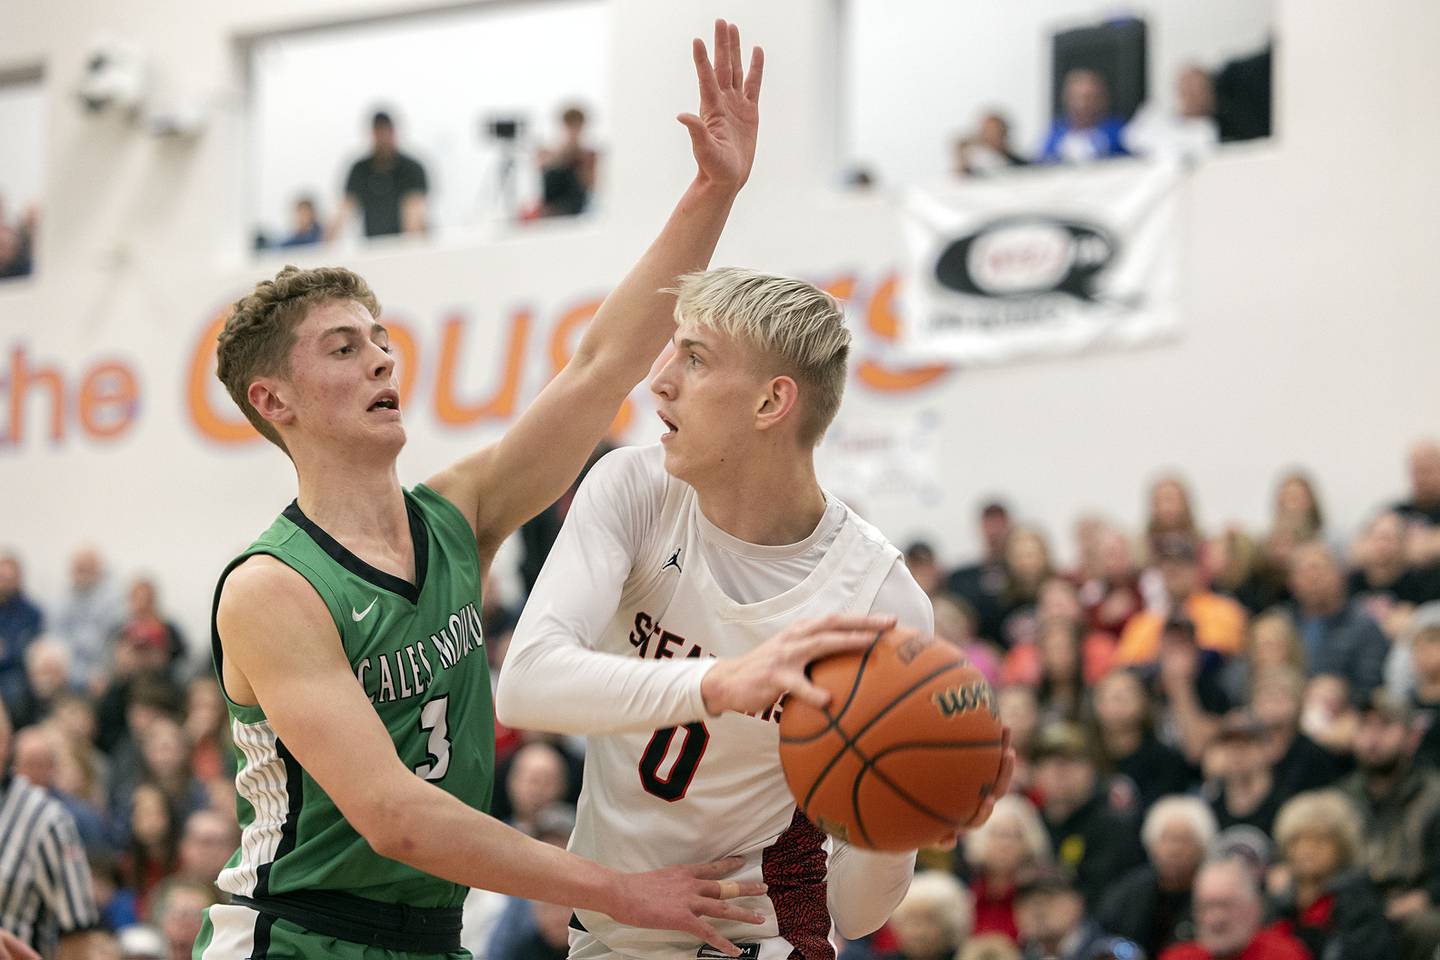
(709, 790)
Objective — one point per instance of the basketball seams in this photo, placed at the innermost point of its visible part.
(832, 722)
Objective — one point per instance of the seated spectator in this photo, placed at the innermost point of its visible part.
(536, 779)
(305, 228)
(178, 911)
(1087, 131)
(1228, 914)
(146, 628)
(1297, 506)
(1399, 805)
(1219, 621)
(1093, 841)
(1111, 597)
(37, 752)
(1190, 132)
(387, 186)
(84, 771)
(1171, 514)
(934, 919)
(1061, 690)
(20, 623)
(1151, 904)
(567, 172)
(986, 151)
(47, 678)
(1020, 713)
(1271, 639)
(1054, 924)
(1383, 580)
(165, 752)
(1012, 843)
(1242, 782)
(154, 843)
(1027, 568)
(1300, 764)
(1339, 638)
(87, 617)
(1327, 903)
(983, 583)
(1061, 625)
(1125, 735)
(206, 843)
(955, 623)
(1191, 696)
(920, 561)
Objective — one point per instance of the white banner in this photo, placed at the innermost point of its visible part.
(1043, 263)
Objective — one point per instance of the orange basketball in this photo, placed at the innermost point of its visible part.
(907, 750)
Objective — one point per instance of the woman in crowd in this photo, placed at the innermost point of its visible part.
(1325, 900)
(997, 854)
(933, 920)
(1123, 722)
(1027, 567)
(154, 845)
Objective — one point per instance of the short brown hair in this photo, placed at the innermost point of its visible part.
(260, 331)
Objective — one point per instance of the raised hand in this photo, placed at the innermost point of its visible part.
(723, 135)
(680, 898)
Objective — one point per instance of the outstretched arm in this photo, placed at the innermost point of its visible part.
(505, 484)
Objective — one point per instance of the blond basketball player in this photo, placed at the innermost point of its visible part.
(347, 636)
(692, 583)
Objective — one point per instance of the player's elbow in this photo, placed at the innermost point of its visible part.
(519, 697)
(857, 924)
(387, 821)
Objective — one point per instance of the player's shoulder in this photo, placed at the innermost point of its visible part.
(262, 585)
(638, 470)
(867, 531)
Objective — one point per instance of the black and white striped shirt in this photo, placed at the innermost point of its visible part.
(45, 889)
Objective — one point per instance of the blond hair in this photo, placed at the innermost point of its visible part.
(945, 899)
(789, 320)
(260, 331)
(1015, 807)
(1328, 811)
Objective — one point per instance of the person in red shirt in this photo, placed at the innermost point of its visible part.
(1228, 910)
(1012, 843)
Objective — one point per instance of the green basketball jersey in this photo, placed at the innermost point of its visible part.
(418, 653)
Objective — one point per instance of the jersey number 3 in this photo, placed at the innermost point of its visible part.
(673, 784)
(434, 721)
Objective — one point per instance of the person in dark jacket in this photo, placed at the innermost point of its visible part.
(1053, 924)
(1328, 904)
(1151, 904)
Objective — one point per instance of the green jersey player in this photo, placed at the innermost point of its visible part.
(347, 637)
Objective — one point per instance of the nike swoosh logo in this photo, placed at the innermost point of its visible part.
(357, 617)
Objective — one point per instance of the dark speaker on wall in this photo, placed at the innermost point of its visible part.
(1115, 50)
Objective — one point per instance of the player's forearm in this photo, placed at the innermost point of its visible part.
(554, 684)
(432, 831)
(864, 887)
(636, 321)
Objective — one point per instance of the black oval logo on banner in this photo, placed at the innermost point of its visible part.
(1025, 256)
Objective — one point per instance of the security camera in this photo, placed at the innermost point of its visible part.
(114, 77)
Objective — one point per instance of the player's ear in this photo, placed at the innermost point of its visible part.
(264, 395)
(780, 397)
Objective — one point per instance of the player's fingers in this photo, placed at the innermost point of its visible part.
(799, 686)
(722, 54)
(712, 936)
(757, 70)
(834, 641)
(730, 889)
(1007, 770)
(709, 89)
(846, 621)
(737, 77)
(715, 869)
(726, 911)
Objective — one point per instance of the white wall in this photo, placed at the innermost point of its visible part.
(1311, 294)
(919, 74)
(22, 153)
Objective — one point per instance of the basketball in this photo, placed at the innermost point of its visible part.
(907, 750)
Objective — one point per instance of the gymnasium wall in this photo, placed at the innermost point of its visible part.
(1310, 294)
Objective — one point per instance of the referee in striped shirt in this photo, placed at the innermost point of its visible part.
(46, 901)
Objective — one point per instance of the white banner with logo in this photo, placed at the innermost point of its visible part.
(1043, 263)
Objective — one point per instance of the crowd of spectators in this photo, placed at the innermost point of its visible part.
(1227, 743)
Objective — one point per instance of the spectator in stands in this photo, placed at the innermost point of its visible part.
(1327, 716)
(177, 911)
(1027, 568)
(1087, 131)
(934, 919)
(84, 770)
(1191, 696)
(305, 228)
(147, 700)
(1243, 101)
(207, 727)
(1151, 904)
(387, 186)
(37, 758)
(1124, 732)
(1326, 902)
(1383, 580)
(87, 617)
(20, 623)
(1111, 595)
(1061, 690)
(1219, 621)
(47, 677)
(154, 843)
(1299, 763)
(1339, 638)
(986, 151)
(1399, 805)
(206, 843)
(1228, 914)
(920, 561)
(568, 170)
(1422, 509)
(17, 245)
(1012, 843)
(536, 779)
(1054, 924)
(1417, 678)
(1271, 640)
(1171, 511)
(1297, 505)
(1241, 780)
(1020, 713)
(1092, 840)
(116, 901)
(955, 623)
(983, 583)
(166, 751)
(147, 633)
(1190, 132)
